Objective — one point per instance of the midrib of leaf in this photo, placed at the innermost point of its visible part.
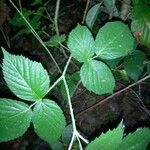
(19, 113)
(105, 48)
(24, 80)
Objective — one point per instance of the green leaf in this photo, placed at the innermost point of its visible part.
(138, 140)
(15, 118)
(111, 8)
(48, 120)
(134, 64)
(114, 40)
(67, 134)
(81, 43)
(18, 21)
(112, 63)
(92, 15)
(108, 141)
(26, 79)
(140, 25)
(97, 77)
(148, 67)
(55, 40)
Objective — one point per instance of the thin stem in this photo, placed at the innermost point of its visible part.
(113, 95)
(55, 83)
(83, 139)
(80, 145)
(19, 1)
(72, 141)
(86, 9)
(67, 64)
(70, 104)
(5, 37)
(36, 35)
(56, 16)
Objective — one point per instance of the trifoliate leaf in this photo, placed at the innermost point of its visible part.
(97, 77)
(114, 40)
(108, 141)
(134, 64)
(92, 15)
(15, 118)
(26, 79)
(140, 25)
(48, 120)
(138, 140)
(81, 43)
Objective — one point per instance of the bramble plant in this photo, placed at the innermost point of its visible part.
(99, 56)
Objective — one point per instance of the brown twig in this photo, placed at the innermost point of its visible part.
(112, 96)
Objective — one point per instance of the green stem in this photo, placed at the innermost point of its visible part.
(36, 35)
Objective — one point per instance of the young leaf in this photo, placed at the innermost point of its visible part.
(15, 118)
(48, 120)
(114, 40)
(26, 79)
(97, 77)
(140, 25)
(138, 140)
(134, 64)
(18, 21)
(107, 141)
(92, 15)
(81, 43)
(55, 40)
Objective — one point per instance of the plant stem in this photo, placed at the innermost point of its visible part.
(85, 12)
(36, 35)
(55, 83)
(56, 16)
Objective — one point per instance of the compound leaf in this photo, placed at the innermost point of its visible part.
(81, 43)
(97, 77)
(48, 120)
(114, 40)
(138, 140)
(26, 79)
(15, 118)
(134, 64)
(108, 141)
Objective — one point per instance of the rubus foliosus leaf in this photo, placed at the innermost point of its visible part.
(138, 140)
(107, 141)
(28, 80)
(15, 118)
(113, 140)
(97, 77)
(114, 40)
(48, 120)
(134, 64)
(92, 15)
(81, 43)
(140, 25)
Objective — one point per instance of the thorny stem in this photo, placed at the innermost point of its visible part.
(36, 35)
